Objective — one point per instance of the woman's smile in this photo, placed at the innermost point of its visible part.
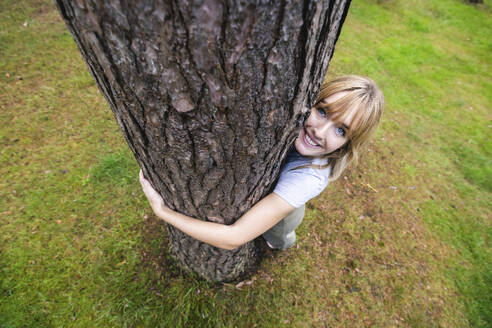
(308, 140)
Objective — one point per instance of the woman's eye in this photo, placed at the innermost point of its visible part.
(322, 112)
(340, 132)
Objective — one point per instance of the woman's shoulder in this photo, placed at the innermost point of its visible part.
(305, 172)
(302, 165)
(300, 181)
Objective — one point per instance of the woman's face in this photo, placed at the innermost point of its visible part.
(320, 135)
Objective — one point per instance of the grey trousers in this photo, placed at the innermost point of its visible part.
(283, 234)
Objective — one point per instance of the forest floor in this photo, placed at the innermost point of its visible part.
(401, 240)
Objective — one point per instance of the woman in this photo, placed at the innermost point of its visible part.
(346, 114)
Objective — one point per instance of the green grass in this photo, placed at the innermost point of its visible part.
(403, 239)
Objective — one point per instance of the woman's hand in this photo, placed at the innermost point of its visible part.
(261, 217)
(155, 200)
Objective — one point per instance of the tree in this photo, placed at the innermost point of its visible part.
(208, 95)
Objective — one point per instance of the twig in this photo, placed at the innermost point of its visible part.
(371, 187)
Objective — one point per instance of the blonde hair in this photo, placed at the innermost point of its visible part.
(361, 95)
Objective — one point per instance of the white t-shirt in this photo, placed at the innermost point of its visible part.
(298, 186)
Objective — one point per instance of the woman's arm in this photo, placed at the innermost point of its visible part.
(261, 217)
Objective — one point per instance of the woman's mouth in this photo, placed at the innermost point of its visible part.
(307, 140)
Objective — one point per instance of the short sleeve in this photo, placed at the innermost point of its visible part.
(298, 186)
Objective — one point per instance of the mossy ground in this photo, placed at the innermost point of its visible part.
(403, 239)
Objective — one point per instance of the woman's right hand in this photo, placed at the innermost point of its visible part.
(155, 200)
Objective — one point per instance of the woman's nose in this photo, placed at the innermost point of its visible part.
(321, 130)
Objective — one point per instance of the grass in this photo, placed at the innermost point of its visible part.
(403, 239)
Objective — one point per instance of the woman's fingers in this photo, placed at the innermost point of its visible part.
(149, 191)
(155, 200)
(147, 188)
(144, 182)
(141, 176)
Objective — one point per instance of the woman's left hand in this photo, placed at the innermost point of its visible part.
(155, 200)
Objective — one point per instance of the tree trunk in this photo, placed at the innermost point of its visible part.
(208, 95)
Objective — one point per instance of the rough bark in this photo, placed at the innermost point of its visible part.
(208, 95)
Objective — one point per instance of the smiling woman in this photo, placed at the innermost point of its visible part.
(346, 114)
